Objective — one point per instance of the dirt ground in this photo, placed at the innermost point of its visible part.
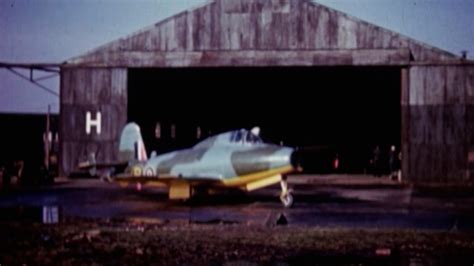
(337, 220)
(153, 242)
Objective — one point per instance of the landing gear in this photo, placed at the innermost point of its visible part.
(286, 196)
(287, 200)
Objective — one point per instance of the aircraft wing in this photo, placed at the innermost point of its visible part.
(166, 180)
(181, 187)
(100, 169)
(88, 165)
(247, 182)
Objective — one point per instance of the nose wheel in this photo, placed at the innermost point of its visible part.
(286, 196)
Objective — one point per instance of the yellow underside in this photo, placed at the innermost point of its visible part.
(181, 188)
(261, 183)
(243, 180)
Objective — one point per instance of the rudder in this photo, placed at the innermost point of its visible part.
(131, 146)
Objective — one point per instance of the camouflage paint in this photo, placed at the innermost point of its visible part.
(217, 158)
(254, 160)
(184, 157)
(237, 159)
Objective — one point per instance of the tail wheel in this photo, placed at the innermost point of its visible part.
(287, 200)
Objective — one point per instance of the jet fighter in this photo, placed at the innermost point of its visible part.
(236, 159)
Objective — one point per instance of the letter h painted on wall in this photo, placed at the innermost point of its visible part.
(93, 123)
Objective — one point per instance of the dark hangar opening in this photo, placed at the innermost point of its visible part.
(325, 110)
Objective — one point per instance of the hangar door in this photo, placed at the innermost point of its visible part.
(327, 111)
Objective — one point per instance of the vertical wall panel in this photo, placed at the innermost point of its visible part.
(321, 37)
(434, 124)
(470, 139)
(434, 85)
(469, 72)
(456, 85)
(417, 86)
(181, 32)
(405, 139)
(455, 122)
(67, 96)
(308, 24)
(405, 86)
(347, 30)
(119, 86)
(95, 90)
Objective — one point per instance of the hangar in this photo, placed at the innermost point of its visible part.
(306, 74)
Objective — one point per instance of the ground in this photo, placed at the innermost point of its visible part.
(344, 220)
(108, 242)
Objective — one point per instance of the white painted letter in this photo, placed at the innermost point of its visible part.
(96, 123)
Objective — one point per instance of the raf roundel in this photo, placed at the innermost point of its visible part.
(137, 171)
(149, 171)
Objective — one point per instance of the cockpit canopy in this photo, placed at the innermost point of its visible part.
(244, 136)
(236, 137)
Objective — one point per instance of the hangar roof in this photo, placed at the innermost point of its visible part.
(261, 33)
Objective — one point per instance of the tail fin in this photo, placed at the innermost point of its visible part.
(131, 144)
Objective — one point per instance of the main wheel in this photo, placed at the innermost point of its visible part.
(287, 200)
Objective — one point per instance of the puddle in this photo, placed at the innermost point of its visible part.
(48, 214)
(214, 221)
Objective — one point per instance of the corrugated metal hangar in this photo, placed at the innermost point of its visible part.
(306, 74)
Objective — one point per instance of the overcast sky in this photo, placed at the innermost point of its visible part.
(56, 30)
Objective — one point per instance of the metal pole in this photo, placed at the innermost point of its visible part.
(46, 159)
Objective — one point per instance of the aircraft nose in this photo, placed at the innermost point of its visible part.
(282, 157)
(291, 157)
(295, 160)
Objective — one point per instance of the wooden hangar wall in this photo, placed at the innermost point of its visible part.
(92, 115)
(438, 122)
(437, 127)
